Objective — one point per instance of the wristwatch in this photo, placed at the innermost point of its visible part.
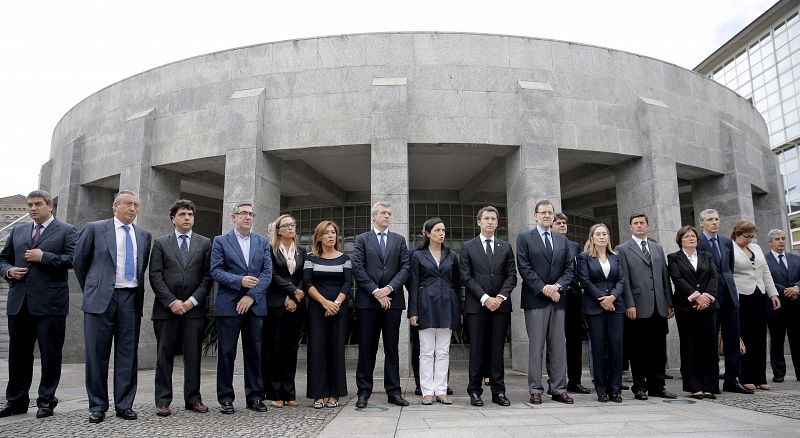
(338, 303)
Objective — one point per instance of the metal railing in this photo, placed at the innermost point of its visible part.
(6, 230)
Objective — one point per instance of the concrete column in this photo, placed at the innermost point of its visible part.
(770, 206)
(531, 175)
(46, 176)
(389, 178)
(730, 194)
(68, 190)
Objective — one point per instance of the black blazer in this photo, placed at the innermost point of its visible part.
(479, 277)
(574, 285)
(284, 284)
(537, 270)
(724, 270)
(172, 281)
(687, 280)
(434, 293)
(45, 286)
(596, 285)
(371, 271)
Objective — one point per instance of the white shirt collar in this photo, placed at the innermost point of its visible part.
(46, 223)
(639, 241)
(240, 236)
(708, 236)
(178, 234)
(484, 239)
(378, 232)
(118, 223)
(541, 231)
(776, 254)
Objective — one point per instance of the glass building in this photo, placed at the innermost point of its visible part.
(762, 64)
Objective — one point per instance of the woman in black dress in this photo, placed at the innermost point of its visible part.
(285, 299)
(328, 277)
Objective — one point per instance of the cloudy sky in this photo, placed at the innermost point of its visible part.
(54, 53)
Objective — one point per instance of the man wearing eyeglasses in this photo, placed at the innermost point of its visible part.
(241, 264)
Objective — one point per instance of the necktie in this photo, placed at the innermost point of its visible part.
(184, 249)
(489, 251)
(646, 252)
(715, 252)
(782, 262)
(548, 246)
(383, 244)
(129, 268)
(37, 234)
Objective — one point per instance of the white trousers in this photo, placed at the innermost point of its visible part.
(434, 360)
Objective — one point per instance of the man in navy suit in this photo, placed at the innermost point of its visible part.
(35, 261)
(785, 269)
(721, 249)
(110, 260)
(546, 266)
(380, 267)
(489, 275)
(241, 264)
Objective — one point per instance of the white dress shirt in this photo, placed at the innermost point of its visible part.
(44, 226)
(188, 245)
(120, 281)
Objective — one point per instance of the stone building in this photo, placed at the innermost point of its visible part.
(435, 123)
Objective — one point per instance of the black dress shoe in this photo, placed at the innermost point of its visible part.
(226, 407)
(418, 391)
(709, 396)
(777, 379)
(602, 398)
(501, 399)
(698, 396)
(475, 399)
(578, 388)
(46, 408)
(127, 414)
(97, 417)
(449, 391)
(668, 376)
(624, 386)
(663, 394)
(10, 410)
(738, 388)
(362, 401)
(616, 398)
(257, 406)
(550, 391)
(640, 395)
(397, 400)
(563, 398)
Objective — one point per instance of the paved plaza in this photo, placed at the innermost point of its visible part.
(770, 414)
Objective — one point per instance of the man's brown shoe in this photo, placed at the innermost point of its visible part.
(163, 411)
(198, 407)
(563, 398)
(536, 399)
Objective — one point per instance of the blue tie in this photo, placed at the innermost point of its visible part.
(129, 268)
(383, 244)
(715, 252)
(781, 262)
(184, 249)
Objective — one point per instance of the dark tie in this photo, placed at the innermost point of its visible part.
(184, 249)
(489, 251)
(715, 252)
(547, 245)
(646, 252)
(782, 262)
(37, 234)
(383, 244)
(129, 268)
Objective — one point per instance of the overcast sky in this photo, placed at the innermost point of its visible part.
(55, 53)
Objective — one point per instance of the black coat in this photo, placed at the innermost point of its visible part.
(479, 277)
(434, 290)
(686, 280)
(596, 284)
(284, 284)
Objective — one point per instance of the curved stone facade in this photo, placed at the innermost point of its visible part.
(405, 117)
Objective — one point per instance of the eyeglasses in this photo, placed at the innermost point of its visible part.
(748, 236)
(689, 237)
(288, 226)
(247, 213)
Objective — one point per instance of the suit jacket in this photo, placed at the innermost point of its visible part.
(95, 264)
(538, 270)
(596, 284)
(687, 280)
(646, 285)
(481, 277)
(749, 276)
(574, 286)
(172, 281)
(726, 287)
(284, 284)
(434, 294)
(784, 279)
(228, 267)
(372, 271)
(45, 286)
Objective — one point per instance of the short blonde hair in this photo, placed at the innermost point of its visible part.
(589, 246)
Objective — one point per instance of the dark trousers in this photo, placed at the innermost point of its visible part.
(699, 356)
(606, 336)
(574, 331)
(228, 329)
(24, 330)
(414, 334)
(121, 323)
(371, 324)
(782, 322)
(279, 344)
(753, 321)
(648, 353)
(728, 326)
(326, 341)
(487, 335)
(173, 336)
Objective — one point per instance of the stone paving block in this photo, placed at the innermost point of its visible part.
(478, 432)
(580, 430)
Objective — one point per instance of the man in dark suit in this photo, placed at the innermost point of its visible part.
(785, 269)
(179, 275)
(489, 276)
(721, 249)
(35, 261)
(110, 259)
(380, 267)
(573, 318)
(648, 300)
(241, 264)
(547, 268)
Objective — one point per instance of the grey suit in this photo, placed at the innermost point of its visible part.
(37, 308)
(646, 286)
(110, 313)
